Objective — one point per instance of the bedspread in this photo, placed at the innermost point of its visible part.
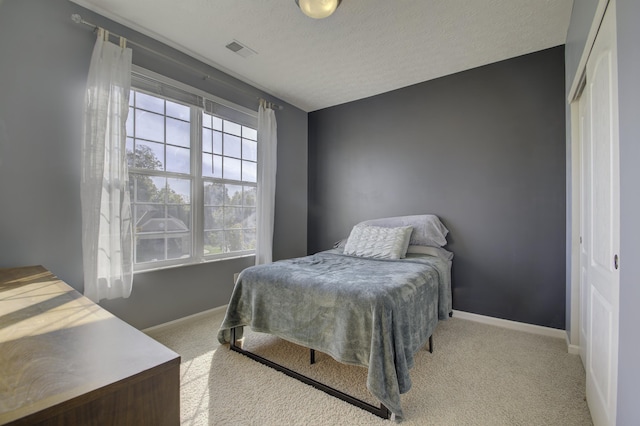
(361, 311)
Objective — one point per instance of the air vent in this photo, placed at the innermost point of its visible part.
(240, 49)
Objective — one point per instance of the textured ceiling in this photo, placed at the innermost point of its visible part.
(365, 48)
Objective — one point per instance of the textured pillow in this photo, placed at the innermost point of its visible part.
(378, 242)
(427, 228)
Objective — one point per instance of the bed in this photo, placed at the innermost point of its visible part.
(368, 310)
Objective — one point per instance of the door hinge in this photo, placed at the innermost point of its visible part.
(615, 261)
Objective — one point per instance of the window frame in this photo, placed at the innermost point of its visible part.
(199, 102)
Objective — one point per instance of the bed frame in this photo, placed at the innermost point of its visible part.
(380, 411)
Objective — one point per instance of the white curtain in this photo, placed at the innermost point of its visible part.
(267, 156)
(107, 244)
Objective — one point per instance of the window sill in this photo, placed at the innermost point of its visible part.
(186, 265)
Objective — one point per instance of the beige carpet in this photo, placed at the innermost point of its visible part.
(478, 375)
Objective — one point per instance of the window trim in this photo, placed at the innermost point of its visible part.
(201, 94)
(204, 103)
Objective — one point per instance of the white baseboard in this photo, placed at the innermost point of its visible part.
(572, 349)
(513, 325)
(184, 319)
(498, 322)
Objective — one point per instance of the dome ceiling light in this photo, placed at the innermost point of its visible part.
(318, 9)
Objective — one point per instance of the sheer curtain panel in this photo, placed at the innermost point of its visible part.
(107, 244)
(267, 156)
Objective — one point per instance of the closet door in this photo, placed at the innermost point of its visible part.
(584, 220)
(601, 238)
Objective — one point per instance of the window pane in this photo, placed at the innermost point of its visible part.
(178, 246)
(249, 196)
(149, 126)
(149, 155)
(179, 191)
(150, 103)
(207, 136)
(213, 218)
(178, 218)
(213, 242)
(249, 218)
(206, 120)
(233, 240)
(149, 189)
(207, 165)
(234, 195)
(249, 150)
(249, 171)
(213, 194)
(233, 128)
(249, 133)
(231, 168)
(232, 146)
(233, 217)
(182, 112)
(150, 248)
(217, 142)
(217, 166)
(249, 242)
(217, 123)
(178, 132)
(150, 218)
(130, 157)
(178, 159)
(130, 122)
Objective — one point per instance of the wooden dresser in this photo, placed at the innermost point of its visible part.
(66, 361)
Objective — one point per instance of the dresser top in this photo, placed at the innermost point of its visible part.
(56, 345)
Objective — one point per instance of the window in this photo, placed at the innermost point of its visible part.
(192, 174)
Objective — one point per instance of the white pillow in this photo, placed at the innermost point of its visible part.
(378, 242)
(431, 251)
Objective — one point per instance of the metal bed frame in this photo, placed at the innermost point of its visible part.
(380, 411)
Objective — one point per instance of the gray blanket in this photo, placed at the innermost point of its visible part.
(367, 312)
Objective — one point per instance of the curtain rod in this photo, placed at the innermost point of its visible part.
(78, 20)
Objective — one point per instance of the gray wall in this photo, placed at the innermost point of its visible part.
(483, 149)
(44, 60)
(628, 14)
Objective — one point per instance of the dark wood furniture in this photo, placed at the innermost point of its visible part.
(65, 360)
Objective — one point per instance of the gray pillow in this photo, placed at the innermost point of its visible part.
(427, 228)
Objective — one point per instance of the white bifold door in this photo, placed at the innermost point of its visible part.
(600, 224)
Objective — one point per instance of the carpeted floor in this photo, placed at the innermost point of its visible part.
(477, 375)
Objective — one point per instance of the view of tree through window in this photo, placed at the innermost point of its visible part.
(229, 153)
(160, 134)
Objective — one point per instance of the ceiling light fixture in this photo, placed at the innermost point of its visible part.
(318, 9)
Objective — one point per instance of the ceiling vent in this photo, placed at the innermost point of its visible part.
(240, 49)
